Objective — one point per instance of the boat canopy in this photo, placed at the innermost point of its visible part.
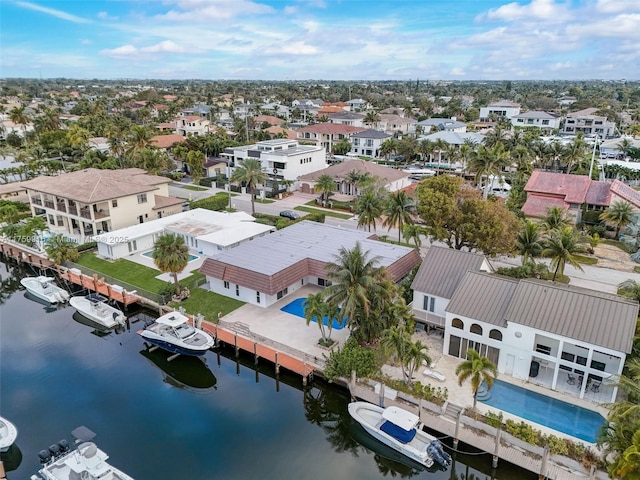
(43, 279)
(405, 420)
(173, 319)
(96, 298)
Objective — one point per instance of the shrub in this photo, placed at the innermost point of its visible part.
(220, 201)
(495, 420)
(207, 182)
(351, 356)
(523, 431)
(84, 247)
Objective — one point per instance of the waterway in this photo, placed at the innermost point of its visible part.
(184, 420)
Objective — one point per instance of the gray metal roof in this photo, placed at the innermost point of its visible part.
(273, 253)
(586, 315)
(484, 297)
(442, 270)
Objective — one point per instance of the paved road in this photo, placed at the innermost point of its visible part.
(593, 277)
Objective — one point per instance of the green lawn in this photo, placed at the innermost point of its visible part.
(130, 272)
(208, 304)
(585, 260)
(193, 187)
(328, 213)
(266, 200)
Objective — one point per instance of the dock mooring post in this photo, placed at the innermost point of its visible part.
(277, 365)
(455, 436)
(494, 461)
(352, 385)
(543, 466)
(3, 476)
(235, 344)
(255, 353)
(381, 396)
(304, 374)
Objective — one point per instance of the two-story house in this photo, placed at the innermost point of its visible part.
(87, 202)
(586, 122)
(192, 125)
(546, 122)
(282, 159)
(442, 124)
(497, 110)
(368, 143)
(392, 123)
(326, 134)
(352, 119)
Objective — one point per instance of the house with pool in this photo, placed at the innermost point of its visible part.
(205, 232)
(269, 268)
(565, 338)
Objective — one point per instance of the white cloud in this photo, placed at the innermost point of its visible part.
(202, 11)
(295, 48)
(129, 51)
(537, 9)
(123, 51)
(616, 6)
(457, 72)
(164, 47)
(53, 12)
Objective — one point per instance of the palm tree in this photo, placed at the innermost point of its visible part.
(369, 207)
(18, 116)
(630, 289)
(416, 355)
(315, 307)
(250, 172)
(395, 341)
(528, 241)
(555, 219)
(619, 214)
(477, 369)
(562, 246)
(326, 185)
(60, 249)
(488, 162)
(171, 255)
(388, 147)
(399, 211)
(371, 118)
(414, 232)
(355, 279)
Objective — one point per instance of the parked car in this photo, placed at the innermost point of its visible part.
(290, 214)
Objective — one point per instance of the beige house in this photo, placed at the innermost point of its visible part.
(89, 202)
(14, 192)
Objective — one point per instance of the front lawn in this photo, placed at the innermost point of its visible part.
(193, 187)
(208, 304)
(585, 260)
(327, 212)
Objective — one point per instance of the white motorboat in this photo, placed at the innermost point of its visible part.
(95, 307)
(172, 332)
(45, 289)
(81, 461)
(400, 430)
(8, 434)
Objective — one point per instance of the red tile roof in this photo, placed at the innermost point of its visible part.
(625, 192)
(599, 193)
(536, 205)
(269, 119)
(570, 188)
(166, 141)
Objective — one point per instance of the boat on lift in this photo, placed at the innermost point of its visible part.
(45, 289)
(172, 332)
(8, 434)
(95, 307)
(81, 461)
(400, 430)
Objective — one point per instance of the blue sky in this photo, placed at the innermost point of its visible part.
(321, 39)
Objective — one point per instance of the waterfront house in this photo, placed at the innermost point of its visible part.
(269, 268)
(437, 280)
(368, 143)
(442, 124)
(545, 122)
(588, 123)
(205, 232)
(396, 124)
(326, 134)
(88, 202)
(343, 174)
(562, 337)
(347, 118)
(497, 110)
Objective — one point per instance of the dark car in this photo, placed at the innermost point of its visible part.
(291, 215)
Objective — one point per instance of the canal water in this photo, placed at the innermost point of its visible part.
(184, 420)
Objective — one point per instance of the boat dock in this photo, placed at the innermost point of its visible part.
(95, 284)
(24, 254)
(449, 420)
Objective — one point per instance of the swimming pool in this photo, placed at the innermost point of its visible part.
(556, 414)
(297, 308)
(150, 255)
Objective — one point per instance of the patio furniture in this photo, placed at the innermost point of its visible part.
(571, 379)
(595, 386)
(432, 373)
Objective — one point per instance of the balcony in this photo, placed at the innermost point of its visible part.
(61, 207)
(36, 201)
(73, 210)
(429, 318)
(48, 204)
(101, 214)
(85, 213)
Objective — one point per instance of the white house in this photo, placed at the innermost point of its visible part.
(561, 337)
(368, 143)
(588, 123)
(205, 232)
(544, 121)
(192, 125)
(347, 118)
(437, 280)
(267, 269)
(442, 124)
(497, 110)
(283, 159)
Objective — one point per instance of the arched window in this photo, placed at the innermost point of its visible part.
(495, 334)
(475, 328)
(457, 323)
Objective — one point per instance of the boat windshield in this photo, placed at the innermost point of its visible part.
(184, 330)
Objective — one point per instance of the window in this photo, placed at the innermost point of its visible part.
(52, 220)
(581, 360)
(457, 323)
(543, 349)
(60, 221)
(429, 303)
(495, 334)
(282, 293)
(226, 284)
(569, 357)
(598, 365)
(133, 246)
(114, 203)
(257, 297)
(356, 142)
(142, 198)
(237, 290)
(475, 328)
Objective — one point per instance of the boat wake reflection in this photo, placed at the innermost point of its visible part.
(182, 372)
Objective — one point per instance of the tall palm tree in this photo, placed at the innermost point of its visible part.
(426, 148)
(488, 162)
(78, 137)
(326, 185)
(477, 369)
(171, 255)
(619, 214)
(388, 147)
(399, 211)
(528, 241)
(562, 246)
(250, 172)
(369, 207)
(18, 116)
(60, 249)
(371, 118)
(316, 307)
(355, 278)
(414, 232)
(417, 354)
(395, 341)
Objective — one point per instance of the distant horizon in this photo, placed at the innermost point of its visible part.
(334, 40)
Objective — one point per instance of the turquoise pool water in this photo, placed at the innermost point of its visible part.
(150, 255)
(550, 412)
(297, 308)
